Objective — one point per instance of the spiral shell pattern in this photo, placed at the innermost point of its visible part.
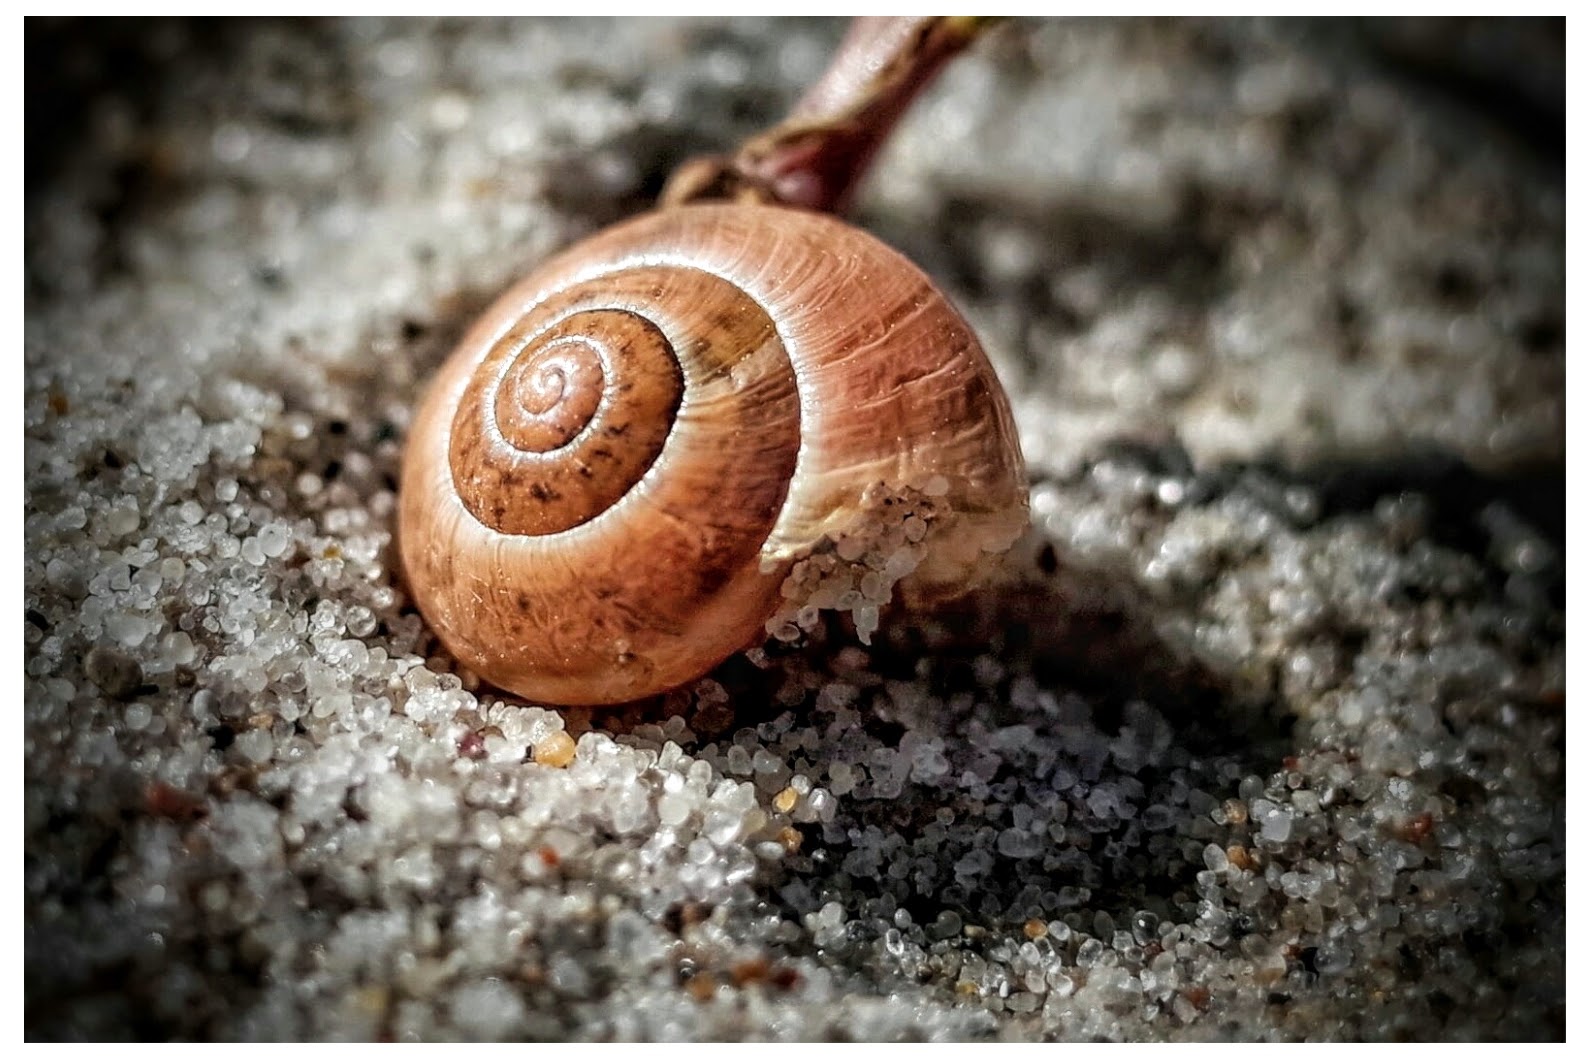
(611, 474)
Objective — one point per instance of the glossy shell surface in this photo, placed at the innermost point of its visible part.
(608, 480)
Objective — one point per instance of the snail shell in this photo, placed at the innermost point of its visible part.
(610, 478)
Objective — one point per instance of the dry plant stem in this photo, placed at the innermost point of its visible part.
(815, 158)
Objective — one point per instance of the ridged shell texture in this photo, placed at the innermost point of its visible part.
(610, 477)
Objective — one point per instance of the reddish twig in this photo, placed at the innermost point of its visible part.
(815, 158)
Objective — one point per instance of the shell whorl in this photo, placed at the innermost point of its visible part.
(541, 441)
(605, 484)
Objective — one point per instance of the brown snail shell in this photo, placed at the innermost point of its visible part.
(610, 478)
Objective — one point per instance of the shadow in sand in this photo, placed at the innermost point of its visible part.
(1073, 662)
